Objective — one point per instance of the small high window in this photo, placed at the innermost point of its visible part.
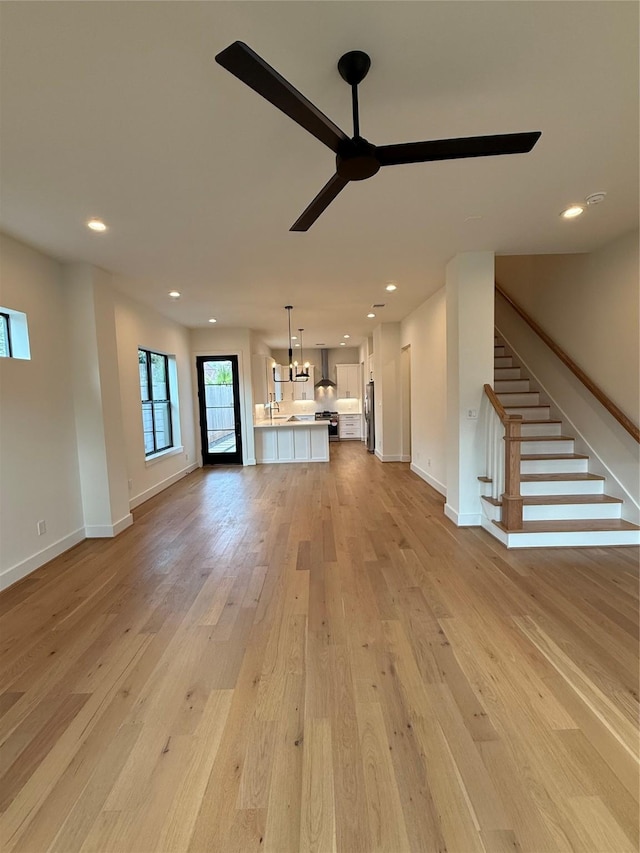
(5, 336)
(156, 401)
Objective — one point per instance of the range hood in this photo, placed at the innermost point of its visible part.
(325, 382)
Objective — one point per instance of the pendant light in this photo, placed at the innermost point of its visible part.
(294, 375)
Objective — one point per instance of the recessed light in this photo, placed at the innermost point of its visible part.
(342, 344)
(297, 345)
(572, 212)
(212, 320)
(294, 337)
(96, 225)
(174, 294)
(391, 286)
(346, 336)
(371, 316)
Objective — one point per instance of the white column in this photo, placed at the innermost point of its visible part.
(470, 285)
(97, 402)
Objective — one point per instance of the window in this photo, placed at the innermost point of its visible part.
(5, 336)
(156, 401)
(14, 334)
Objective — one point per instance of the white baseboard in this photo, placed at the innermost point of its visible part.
(435, 484)
(249, 462)
(108, 531)
(161, 486)
(21, 570)
(405, 457)
(464, 519)
(383, 458)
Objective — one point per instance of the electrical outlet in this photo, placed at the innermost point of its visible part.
(130, 484)
(186, 457)
(42, 527)
(428, 463)
(472, 414)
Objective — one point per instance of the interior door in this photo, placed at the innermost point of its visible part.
(219, 401)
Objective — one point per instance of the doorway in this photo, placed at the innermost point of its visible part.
(219, 403)
(405, 380)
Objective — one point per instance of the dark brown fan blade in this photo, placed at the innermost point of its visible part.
(324, 198)
(454, 149)
(247, 66)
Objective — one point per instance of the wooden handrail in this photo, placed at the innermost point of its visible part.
(497, 405)
(588, 383)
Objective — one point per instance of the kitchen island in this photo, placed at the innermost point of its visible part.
(285, 439)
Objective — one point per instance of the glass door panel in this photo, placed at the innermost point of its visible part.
(219, 399)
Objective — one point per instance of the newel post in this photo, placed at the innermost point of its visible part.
(512, 499)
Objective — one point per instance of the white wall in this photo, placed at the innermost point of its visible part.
(589, 305)
(387, 392)
(140, 326)
(77, 318)
(228, 342)
(38, 459)
(425, 331)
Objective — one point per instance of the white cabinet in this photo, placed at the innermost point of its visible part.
(349, 427)
(348, 380)
(280, 387)
(304, 390)
(262, 382)
(289, 391)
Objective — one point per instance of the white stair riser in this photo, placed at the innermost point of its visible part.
(563, 446)
(498, 351)
(503, 361)
(563, 487)
(538, 414)
(501, 373)
(502, 385)
(595, 538)
(558, 512)
(592, 538)
(553, 466)
(541, 429)
(527, 398)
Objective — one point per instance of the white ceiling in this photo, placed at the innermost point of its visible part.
(118, 110)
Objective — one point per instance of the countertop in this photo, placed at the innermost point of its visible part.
(285, 422)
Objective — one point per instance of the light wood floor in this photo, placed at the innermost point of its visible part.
(311, 657)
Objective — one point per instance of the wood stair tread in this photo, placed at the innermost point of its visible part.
(572, 526)
(559, 500)
(530, 457)
(546, 438)
(543, 421)
(540, 478)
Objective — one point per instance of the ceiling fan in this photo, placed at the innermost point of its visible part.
(356, 159)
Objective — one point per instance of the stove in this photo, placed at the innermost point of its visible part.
(332, 420)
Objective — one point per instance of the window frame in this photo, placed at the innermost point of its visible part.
(150, 400)
(6, 321)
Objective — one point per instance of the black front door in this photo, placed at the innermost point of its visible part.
(219, 400)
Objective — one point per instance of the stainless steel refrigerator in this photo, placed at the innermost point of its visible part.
(369, 420)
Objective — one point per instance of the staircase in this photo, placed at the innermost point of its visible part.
(563, 503)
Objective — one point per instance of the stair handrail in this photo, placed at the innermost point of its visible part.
(511, 498)
(590, 385)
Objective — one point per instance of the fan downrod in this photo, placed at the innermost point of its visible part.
(354, 66)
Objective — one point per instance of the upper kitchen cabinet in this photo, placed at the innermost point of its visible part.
(348, 380)
(264, 388)
(305, 390)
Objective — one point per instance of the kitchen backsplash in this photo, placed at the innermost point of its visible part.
(325, 401)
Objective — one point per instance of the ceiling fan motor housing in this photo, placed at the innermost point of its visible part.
(356, 160)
